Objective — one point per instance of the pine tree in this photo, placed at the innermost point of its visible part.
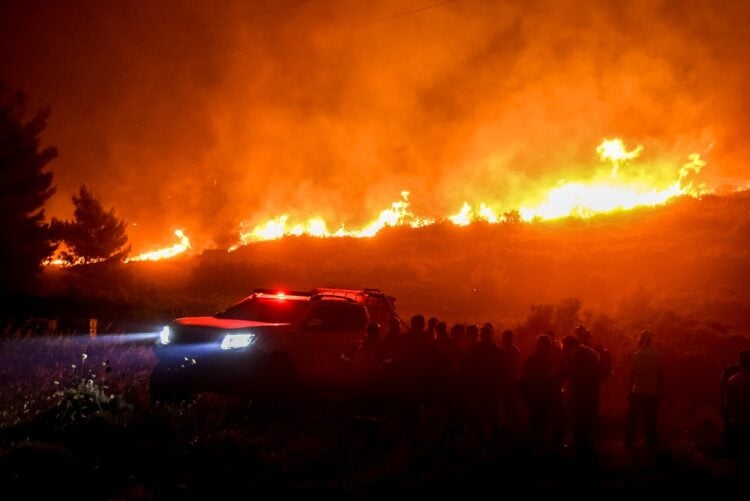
(24, 188)
(94, 235)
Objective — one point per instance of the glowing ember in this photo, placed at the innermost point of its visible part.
(57, 262)
(165, 253)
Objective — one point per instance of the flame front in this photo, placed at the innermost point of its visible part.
(468, 215)
(606, 192)
(165, 253)
(398, 214)
(586, 199)
(613, 187)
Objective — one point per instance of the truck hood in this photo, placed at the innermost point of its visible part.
(222, 323)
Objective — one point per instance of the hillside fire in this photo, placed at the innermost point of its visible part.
(612, 187)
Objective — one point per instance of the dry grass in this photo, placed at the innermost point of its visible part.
(40, 372)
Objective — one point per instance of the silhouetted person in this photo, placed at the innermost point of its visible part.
(367, 364)
(413, 356)
(457, 334)
(433, 364)
(605, 359)
(407, 377)
(441, 332)
(541, 389)
(487, 371)
(368, 359)
(579, 369)
(466, 343)
(431, 324)
(458, 383)
(726, 374)
(738, 411)
(583, 335)
(458, 331)
(472, 336)
(391, 346)
(392, 339)
(645, 387)
(558, 412)
(555, 342)
(442, 364)
(556, 346)
(512, 368)
(416, 326)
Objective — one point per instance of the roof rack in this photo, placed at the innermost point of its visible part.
(276, 292)
(318, 297)
(348, 292)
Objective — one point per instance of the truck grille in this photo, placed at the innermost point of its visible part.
(186, 334)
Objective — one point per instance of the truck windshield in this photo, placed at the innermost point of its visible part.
(269, 310)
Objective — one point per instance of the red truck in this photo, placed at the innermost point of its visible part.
(269, 341)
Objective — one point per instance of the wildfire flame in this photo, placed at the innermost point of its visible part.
(614, 151)
(587, 199)
(467, 215)
(574, 198)
(611, 190)
(166, 252)
(604, 193)
(397, 215)
(56, 262)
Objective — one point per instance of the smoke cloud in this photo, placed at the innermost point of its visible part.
(185, 115)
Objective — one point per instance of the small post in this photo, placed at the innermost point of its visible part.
(92, 327)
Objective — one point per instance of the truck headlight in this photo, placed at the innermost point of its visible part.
(164, 335)
(240, 340)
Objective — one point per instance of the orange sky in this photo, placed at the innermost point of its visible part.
(182, 114)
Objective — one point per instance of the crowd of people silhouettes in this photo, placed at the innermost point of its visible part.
(553, 393)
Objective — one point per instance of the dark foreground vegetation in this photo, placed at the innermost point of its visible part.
(77, 419)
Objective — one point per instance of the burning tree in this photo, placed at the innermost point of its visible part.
(94, 235)
(24, 188)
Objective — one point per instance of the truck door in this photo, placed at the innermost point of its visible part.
(330, 329)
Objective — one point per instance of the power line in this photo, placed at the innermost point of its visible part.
(404, 13)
